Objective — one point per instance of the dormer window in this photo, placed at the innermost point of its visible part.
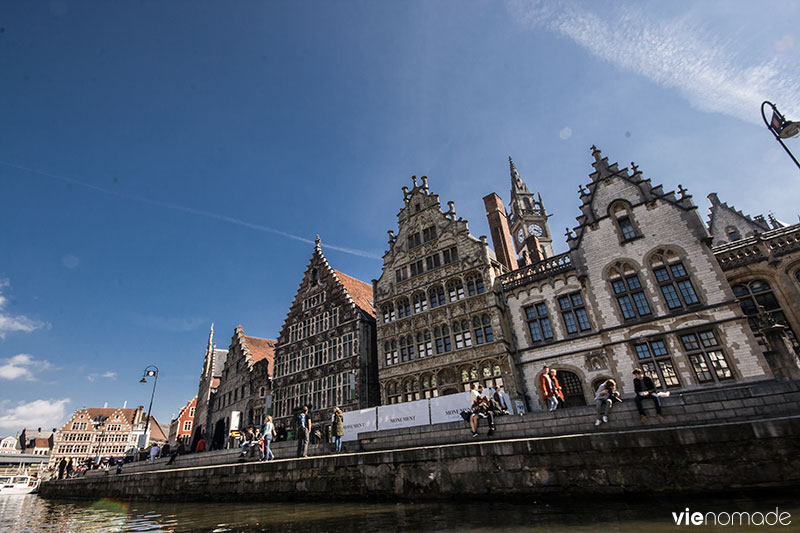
(732, 233)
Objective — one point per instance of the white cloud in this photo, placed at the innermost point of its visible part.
(46, 414)
(22, 366)
(108, 375)
(784, 44)
(678, 52)
(70, 261)
(10, 323)
(565, 133)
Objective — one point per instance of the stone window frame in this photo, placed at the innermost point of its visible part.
(750, 296)
(631, 296)
(462, 334)
(655, 359)
(475, 284)
(403, 307)
(732, 233)
(621, 213)
(449, 255)
(407, 352)
(419, 301)
(539, 323)
(482, 330)
(671, 274)
(411, 389)
(470, 371)
(424, 341)
(429, 385)
(390, 353)
(394, 394)
(574, 314)
(706, 356)
(442, 341)
(388, 312)
(454, 289)
(436, 296)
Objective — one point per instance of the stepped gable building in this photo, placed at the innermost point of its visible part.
(326, 352)
(180, 428)
(210, 378)
(245, 384)
(440, 315)
(104, 432)
(639, 287)
(761, 260)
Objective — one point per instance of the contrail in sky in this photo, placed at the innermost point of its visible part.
(190, 210)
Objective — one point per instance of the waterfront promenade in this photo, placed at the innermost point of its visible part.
(745, 436)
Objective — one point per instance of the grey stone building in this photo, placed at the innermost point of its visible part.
(210, 376)
(326, 348)
(440, 315)
(243, 388)
(638, 287)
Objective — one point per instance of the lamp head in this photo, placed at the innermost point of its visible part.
(789, 129)
(143, 380)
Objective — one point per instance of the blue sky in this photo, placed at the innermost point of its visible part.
(166, 165)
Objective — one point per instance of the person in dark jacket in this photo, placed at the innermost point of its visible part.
(645, 389)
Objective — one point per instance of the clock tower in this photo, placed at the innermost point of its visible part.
(528, 221)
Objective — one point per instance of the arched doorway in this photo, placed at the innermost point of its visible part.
(571, 387)
(218, 442)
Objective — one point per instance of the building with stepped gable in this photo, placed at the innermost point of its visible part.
(326, 348)
(439, 310)
(638, 287)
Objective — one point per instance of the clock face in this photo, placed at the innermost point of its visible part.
(521, 235)
(535, 229)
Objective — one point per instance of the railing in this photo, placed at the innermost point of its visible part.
(543, 269)
(761, 247)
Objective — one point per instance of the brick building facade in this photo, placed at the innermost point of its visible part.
(180, 428)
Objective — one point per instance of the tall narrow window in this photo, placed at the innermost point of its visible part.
(756, 294)
(573, 311)
(424, 343)
(436, 295)
(706, 356)
(455, 290)
(403, 308)
(539, 323)
(428, 383)
(630, 296)
(420, 302)
(622, 215)
(657, 363)
(390, 351)
(442, 339)
(474, 284)
(450, 255)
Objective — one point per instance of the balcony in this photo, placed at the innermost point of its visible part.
(541, 270)
(767, 246)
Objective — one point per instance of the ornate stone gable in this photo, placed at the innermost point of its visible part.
(728, 224)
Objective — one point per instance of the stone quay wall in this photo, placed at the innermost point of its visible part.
(703, 446)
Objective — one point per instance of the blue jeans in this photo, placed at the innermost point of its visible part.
(552, 403)
(337, 441)
(652, 396)
(270, 456)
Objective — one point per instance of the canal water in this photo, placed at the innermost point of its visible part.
(624, 514)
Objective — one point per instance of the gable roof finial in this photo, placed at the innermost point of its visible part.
(317, 245)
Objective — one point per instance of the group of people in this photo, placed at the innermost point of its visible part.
(606, 394)
(302, 422)
(486, 404)
(259, 440)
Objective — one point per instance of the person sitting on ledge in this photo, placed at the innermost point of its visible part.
(606, 394)
(645, 389)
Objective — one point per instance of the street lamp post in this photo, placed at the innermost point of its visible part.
(149, 372)
(780, 127)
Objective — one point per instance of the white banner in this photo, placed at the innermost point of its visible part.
(356, 422)
(403, 415)
(448, 408)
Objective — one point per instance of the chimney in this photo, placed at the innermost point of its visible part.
(125, 404)
(501, 235)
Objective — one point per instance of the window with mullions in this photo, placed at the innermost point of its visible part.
(462, 334)
(436, 296)
(407, 348)
(432, 261)
(442, 338)
(539, 323)
(758, 293)
(675, 284)
(414, 240)
(410, 390)
(424, 343)
(630, 297)
(622, 214)
(428, 234)
(474, 284)
(428, 383)
(626, 228)
(420, 302)
(706, 356)
(455, 290)
(403, 308)
(482, 328)
(393, 393)
(390, 352)
(573, 311)
(656, 362)
(469, 377)
(450, 255)
(388, 313)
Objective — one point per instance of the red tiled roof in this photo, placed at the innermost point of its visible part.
(360, 292)
(127, 414)
(156, 433)
(41, 443)
(261, 348)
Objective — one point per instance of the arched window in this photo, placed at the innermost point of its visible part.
(474, 284)
(482, 328)
(410, 390)
(406, 348)
(392, 393)
(420, 302)
(390, 352)
(428, 383)
(758, 293)
(455, 290)
(436, 296)
(461, 334)
(469, 376)
(388, 313)
(424, 343)
(673, 280)
(403, 308)
(627, 230)
(628, 291)
(442, 338)
(571, 387)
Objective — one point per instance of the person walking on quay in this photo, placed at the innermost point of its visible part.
(303, 424)
(337, 425)
(559, 394)
(269, 434)
(645, 389)
(154, 449)
(62, 466)
(606, 395)
(548, 393)
(70, 468)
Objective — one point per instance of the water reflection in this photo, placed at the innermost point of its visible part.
(30, 513)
